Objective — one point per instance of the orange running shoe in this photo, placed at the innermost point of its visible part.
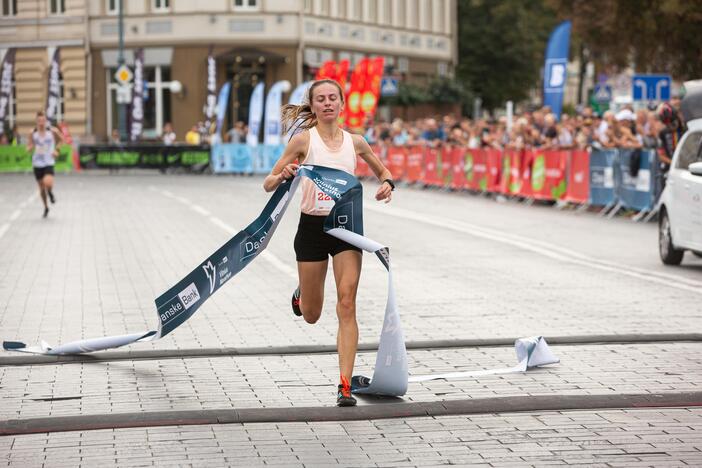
(343, 396)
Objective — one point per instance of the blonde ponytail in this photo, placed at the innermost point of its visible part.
(298, 116)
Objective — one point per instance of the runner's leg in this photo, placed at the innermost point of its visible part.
(312, 276)
(49, 186)
(347, 272)
(42, 194)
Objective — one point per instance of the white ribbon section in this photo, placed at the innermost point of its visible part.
(531, 352)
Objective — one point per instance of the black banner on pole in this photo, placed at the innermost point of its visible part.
(211, 100)
(54, 94)
(6, 77)
(136, 112)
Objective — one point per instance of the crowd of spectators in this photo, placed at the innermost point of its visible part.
(537, 129)
(626, 128)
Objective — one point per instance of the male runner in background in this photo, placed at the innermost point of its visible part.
(43, 143)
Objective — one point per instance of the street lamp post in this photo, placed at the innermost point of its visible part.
(121, 105)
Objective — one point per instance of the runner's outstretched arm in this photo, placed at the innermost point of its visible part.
(286, 168)
(364, 150)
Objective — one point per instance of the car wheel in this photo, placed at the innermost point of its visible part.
(669, 254)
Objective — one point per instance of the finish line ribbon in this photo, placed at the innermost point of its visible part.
(345, 221)
(180, 302)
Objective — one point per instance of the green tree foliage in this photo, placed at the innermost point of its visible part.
(653, 35)
(441, 90)
(501, 46)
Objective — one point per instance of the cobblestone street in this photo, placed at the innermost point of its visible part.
(466, 268)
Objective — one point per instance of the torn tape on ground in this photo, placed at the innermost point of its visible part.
(531, 352)
(345, 221)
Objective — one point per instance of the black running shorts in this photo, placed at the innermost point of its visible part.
(312, 244)
(40, 172)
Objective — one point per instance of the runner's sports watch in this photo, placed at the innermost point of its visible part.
(390, 183)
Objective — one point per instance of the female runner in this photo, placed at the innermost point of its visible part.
(322, 142)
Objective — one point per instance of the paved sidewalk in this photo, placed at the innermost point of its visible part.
(113, 244)
(614, 438)
(309, 380)
(464, 268)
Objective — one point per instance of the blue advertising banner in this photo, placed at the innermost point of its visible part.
(266, 158)
(221, 109)
(237, 158)
(272, 129)
(255, 115)
(555, 67)
(635, 179)
(602, 177)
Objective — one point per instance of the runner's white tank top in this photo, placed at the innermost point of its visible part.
(314, 201)
(44, 146)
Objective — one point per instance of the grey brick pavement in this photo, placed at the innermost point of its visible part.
(308, 380)
(614, 438)
(114, 243)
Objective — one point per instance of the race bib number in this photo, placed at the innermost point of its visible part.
(322, 201)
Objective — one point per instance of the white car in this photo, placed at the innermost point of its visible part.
(680, 218)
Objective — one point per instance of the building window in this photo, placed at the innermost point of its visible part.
(245, 4)
(324, 8)
(157, 101)
(57, 7)
(308, 6)
(161, 5)
(9, 8)
(112, 7)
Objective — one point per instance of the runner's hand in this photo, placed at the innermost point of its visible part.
(289, 171)
(384, 192)
(55, 154)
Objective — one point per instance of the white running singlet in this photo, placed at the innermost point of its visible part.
(44, 146)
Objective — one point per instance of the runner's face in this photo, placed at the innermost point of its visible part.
(41, 122)
(326, 102)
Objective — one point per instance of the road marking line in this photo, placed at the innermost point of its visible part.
(16, 214)
(266, 255)
(544, 248)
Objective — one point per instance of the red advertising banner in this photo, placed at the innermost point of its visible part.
(511, 177)
(397, 161)
(494, 172)
(458, 165)
(415, 163)
(362, 167)
(354, 114)
(475, 169)
(548, 175)
(578, 185)
(371, 93)
(445, 165)
(527, 162)
(432, 176)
